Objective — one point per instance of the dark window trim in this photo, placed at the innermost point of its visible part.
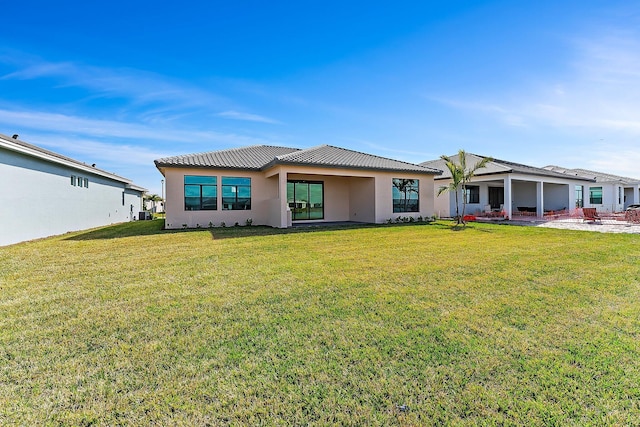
(400, 209)
(201, 205)
(304, 181)
(474, 194)
(236, 192)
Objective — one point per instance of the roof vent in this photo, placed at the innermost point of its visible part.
(15, 136)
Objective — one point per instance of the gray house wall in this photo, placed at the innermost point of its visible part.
(37, 199)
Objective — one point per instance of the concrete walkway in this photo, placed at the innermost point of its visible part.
(606, 226)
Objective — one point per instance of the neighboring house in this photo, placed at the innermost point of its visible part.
(43, 193)
(512, 188)
(153, 204)
(610, 193)
(280, 186)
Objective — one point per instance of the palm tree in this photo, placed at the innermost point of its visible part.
(460, 176)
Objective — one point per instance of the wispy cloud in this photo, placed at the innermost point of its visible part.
(236, 115)
(137, 86)
(100, 129)
(103, 153)
(599, 92)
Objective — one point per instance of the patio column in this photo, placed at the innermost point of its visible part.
(540, 199)
(282, 193)
(508, 208)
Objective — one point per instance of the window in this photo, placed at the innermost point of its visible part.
(405, 195)
(595, 195)
(236, 193)
(123, 198)
(73, 180)
(619, 195)
(306, 199)
(472, 194)
(86, 183)
(200, 193)
(579, 196)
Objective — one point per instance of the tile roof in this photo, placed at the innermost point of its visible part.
(253, 157)
(598, 176)
(330, 156)
(497, 166)
(261, 157)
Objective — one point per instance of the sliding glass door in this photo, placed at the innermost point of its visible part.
(305, 199)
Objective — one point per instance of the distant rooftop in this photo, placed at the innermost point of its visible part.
(598, 176)
(497, 166)
(17, 145)
(261, 157)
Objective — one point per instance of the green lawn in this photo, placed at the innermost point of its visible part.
(491, 325)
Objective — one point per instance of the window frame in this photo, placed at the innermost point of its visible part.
(472, 192)
(232, 183)
(594, 200)
(202, 185)
(297, 211)
(405, 207)
(579, 190)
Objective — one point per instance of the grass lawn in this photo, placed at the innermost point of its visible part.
(388, 325)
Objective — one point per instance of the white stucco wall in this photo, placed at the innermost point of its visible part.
(37, 199)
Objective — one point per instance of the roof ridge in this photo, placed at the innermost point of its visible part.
(226, 150)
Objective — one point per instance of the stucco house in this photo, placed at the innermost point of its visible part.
(610, 193)
(513, 189)
(282, 186)
(43, 193)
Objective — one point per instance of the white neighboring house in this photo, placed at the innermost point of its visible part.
(514, 189)
(610, 193)
(43, 194)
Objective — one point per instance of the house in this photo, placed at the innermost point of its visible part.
(282, 186)
(610, 193)
(514, 189)
(44, 194)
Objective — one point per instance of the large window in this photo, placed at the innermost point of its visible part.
(595, 195)
(579, 196)
(472, 194)
(405, 195)
(236, 193)
(306, 199)
(200, 193)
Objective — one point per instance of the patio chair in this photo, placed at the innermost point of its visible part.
(590, 214)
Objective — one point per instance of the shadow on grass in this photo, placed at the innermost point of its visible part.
(147, 228)
(127, 229)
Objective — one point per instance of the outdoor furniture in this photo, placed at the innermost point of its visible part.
(590, 214)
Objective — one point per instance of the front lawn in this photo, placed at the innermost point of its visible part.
(387, 325)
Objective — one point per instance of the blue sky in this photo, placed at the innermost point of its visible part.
(120, 83)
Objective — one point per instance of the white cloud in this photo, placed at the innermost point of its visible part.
(100, 129)
(101, 153)
(236, 115)
(140, 87)
(599, 93)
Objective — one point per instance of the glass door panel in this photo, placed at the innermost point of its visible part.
(305, 199)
